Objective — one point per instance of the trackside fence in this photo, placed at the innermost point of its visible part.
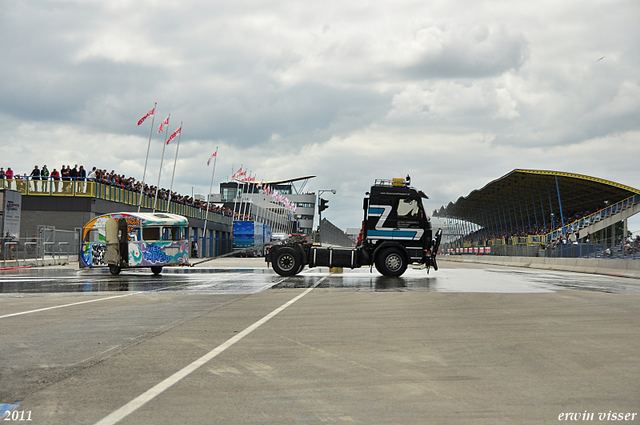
(604, 249)
(49, 246)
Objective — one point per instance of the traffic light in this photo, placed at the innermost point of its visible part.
(323, 205)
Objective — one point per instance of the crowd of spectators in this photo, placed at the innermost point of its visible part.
(66, 174)
(483, 235)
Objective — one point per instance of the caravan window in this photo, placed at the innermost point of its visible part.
(134, 234)
(171, 233)
(176, 233)
(93, 236)
(151, 233)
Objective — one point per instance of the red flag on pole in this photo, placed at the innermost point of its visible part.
(214, 154)
(147, 116)
(175, 133)
(162, 124)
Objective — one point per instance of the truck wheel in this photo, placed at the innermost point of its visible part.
(156, 270)
(286, 262)
(390, 262)
(114, 269)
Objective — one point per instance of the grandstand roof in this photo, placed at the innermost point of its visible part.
(534, 193)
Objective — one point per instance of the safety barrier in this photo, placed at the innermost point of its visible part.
(332, 235)
(520, 240)
(535, 239)
(600, 249)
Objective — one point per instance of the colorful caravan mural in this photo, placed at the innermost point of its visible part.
(127, 240)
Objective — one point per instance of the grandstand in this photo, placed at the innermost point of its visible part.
(543, 213)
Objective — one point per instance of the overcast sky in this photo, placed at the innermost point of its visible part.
(454, 93)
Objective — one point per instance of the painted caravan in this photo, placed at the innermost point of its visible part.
(128, 240)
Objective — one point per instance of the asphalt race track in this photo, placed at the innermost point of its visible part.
(237, 344)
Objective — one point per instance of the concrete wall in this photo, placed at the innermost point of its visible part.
(622, 268)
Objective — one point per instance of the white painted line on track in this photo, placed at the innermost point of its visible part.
(158, 389)
(66, 305)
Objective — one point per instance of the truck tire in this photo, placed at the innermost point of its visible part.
(391, 262)
(114, 269)
(156, 270)
(287, 262)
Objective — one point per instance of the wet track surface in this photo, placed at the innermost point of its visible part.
(254, 280)
(465, 344)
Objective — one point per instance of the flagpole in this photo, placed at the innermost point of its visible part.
(175, 161)
(164, 145)
(236, 193)
(242, 206)
(206, 216)
(147, 158)
(247, 203)
(246, 188)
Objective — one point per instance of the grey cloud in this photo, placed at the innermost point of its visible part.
(300, 115)
(469, 54)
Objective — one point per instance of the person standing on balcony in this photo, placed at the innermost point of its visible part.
(82, 177)
(44, 174)
(92, 175)
(55, 177)
(35, 176)
(8, 175)
(73, 176)
(64, 173)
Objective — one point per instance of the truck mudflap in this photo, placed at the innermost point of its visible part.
(333, 257)
(434, 251)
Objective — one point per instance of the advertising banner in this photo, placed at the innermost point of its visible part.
(11, 204)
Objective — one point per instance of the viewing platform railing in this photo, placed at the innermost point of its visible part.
(93, 189)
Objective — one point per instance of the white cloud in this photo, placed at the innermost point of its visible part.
(455, 93)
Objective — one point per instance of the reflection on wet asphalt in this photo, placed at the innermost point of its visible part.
(250, 280)
(465, 280)
(223, 281)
